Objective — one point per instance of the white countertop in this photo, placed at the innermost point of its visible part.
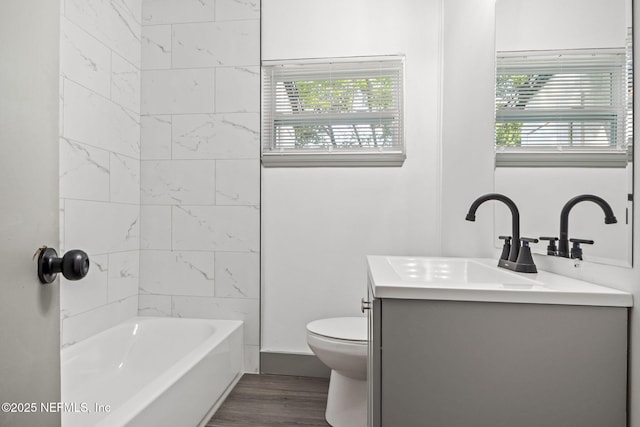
(477, 279)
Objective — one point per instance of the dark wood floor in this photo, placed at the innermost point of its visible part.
(274, 400)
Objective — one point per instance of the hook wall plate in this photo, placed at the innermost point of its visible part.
(74, 265)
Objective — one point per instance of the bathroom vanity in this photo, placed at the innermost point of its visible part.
(460, 342)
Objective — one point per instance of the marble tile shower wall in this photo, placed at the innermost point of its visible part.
(100, 56)
(200, 185)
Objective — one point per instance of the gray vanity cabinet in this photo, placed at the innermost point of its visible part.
(465, 363)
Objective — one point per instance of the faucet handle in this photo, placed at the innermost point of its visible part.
(506, 248)
(552, 249)
(578, 241)
(576, 250)
(526, 240)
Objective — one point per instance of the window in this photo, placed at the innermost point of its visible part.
(569, 108)
(333, 112)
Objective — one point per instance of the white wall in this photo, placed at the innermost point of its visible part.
(318, 224)
(100, 161)
(200, 189)
(463, 18)
(467, 125)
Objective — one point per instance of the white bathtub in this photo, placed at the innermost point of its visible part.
(151, 372)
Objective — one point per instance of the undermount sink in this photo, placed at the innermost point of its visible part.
(477, 279)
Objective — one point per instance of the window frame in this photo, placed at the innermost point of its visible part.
(273, 155)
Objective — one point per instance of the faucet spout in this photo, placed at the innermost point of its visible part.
(609, 218)
(515, 219)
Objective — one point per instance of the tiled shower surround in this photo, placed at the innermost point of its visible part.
(198, 195)
(100, 161)
(200, 188)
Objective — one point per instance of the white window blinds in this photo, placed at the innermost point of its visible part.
(558, 107)
(333, 112)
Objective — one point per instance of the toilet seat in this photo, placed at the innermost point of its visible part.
(348, 329)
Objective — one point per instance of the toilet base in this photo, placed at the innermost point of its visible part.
(346, 402)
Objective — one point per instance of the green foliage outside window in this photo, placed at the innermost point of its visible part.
(348, 105)
(508, 134)
(508, 95)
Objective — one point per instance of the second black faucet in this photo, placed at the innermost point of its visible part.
(563, 243)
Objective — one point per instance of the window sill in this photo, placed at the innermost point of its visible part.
(559, 158)
(332, 159)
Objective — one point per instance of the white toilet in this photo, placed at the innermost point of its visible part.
(341, 344)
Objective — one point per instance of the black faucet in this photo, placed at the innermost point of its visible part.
(519, 258)
(609, 218)
(515, 219)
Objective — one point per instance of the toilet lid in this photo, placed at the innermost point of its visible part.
(342, 328)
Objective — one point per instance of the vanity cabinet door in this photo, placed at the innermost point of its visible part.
(447, 363)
